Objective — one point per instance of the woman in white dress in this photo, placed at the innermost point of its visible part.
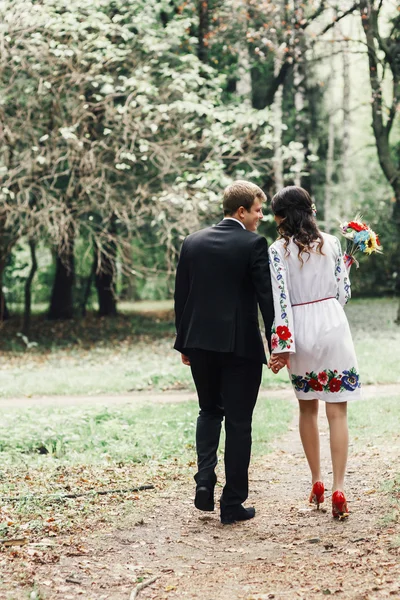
(311, 335)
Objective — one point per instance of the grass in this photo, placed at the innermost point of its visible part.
(124, 433)
(375, 418)
(375, 422)
(376, 338)
(133, 352)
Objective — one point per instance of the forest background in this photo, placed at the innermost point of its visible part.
(122, 122)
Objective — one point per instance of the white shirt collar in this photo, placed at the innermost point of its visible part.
(233, 219)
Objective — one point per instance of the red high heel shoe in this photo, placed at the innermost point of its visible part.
(339, 506)
(317, 493)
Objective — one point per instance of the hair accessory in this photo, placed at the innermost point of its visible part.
(314, 209)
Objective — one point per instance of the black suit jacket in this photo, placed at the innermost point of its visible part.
(222, 274)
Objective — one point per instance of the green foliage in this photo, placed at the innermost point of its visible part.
(108, 94)
(115, 134)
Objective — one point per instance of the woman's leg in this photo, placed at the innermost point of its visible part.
(309, 434)
(336, 413)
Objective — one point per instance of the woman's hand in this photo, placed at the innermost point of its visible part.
(278, 361)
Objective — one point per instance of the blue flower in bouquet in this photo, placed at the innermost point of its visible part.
(361, 236)
(350, 380)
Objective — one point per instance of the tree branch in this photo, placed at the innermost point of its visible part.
(339, 18)
(317, 13)
(141, 586)
(56, 497)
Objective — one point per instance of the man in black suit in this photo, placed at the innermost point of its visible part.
(222, 275)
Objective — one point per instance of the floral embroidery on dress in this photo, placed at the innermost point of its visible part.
(281, 335)
(338, 275)
(327, 381)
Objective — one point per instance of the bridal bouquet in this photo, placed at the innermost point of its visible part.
(360, 238)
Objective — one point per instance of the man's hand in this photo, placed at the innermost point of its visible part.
(185, 360)
(278, 361)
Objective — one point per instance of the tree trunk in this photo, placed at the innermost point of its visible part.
(203, 12)
(6, 243)
(28, 289)
(301, 119)
(105, 282)
(381, 131)
(62, 302)
(4, 314)
(346, 205)
(277, 120)
(328, 175)
(128, 288)
(391, 170)
(243, 83)
(330, 156)
(88, 287)
(396, 266)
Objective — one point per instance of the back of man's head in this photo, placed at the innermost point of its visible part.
(241, 193)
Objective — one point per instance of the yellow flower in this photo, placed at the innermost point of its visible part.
(371, 244)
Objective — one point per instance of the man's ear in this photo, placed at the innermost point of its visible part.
(241, 212)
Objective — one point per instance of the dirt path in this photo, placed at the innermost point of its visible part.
(288, 551)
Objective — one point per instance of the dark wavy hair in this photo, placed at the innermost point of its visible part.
(295, 206)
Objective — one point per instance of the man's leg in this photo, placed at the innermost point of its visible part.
(240, 383)
(206, 372)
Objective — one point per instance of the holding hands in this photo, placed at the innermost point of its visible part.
(278, 361)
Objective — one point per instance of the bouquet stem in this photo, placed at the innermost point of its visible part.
(349, 260)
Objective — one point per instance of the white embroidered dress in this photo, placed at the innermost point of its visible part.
(310, 321)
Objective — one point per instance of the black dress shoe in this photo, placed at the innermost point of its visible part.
(204, 499)
(231, 514)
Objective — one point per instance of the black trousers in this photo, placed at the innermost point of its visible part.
(227, 387)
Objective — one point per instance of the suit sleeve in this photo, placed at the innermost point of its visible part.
(181, 286)
(282, 330)
(262, 283)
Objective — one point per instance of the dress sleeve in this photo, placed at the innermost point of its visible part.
(343, 293)
(282, 338)
(262, 283)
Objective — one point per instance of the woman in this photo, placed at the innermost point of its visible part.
(311, 334)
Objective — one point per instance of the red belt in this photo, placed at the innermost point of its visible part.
(314, 301)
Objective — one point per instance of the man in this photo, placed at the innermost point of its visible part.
(223, 272)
